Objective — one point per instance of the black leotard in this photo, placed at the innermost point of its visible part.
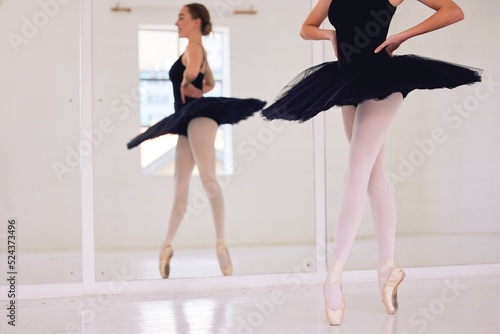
(176, 75)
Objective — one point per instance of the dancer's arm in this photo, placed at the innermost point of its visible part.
(311, 28)
(208, 82)
(447, 13)
(193, 56)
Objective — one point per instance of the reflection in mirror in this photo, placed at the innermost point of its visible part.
(268, 182)
(158, 49)
(40, 129)
(441, 154)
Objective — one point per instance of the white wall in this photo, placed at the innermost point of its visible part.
(457, 189)
(39, 120)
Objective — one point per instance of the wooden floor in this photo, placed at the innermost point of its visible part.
(440, 306)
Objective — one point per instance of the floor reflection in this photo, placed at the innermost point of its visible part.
(202, 315)
(202, 262)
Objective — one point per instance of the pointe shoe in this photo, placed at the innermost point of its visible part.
(166, 253)
(222, 250)
(390, 290)
(334, 317)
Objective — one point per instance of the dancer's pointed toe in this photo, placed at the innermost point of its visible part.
(226, 267)
(166, 253)
(334, 317)
(334, 296)
(390, 290)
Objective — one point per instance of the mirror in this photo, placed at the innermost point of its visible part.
(268, 194)
(446, 191)
(40, 180)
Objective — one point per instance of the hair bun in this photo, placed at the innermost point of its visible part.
(199, 11)
(207, 29)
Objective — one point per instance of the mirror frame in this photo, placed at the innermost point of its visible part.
(90, 284)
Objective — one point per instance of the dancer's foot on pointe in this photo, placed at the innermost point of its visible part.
(166, 253)
(389, 278)
(334, 298)
(224, 260)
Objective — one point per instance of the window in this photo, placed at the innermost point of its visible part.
(159, 48)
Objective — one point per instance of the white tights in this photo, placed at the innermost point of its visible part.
(197, 148)
(366, 128)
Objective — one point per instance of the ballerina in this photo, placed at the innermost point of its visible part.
(196, 120)
(369, 83)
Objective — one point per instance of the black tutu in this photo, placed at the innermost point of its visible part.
(322, 87)
(223, 110)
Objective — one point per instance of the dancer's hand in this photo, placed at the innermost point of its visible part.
(391, 44)
(333, 39)
(190, 91)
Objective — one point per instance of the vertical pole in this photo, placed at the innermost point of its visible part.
(319, 170)
(87, 150)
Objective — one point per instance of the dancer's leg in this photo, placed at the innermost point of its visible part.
(201, 132)
(184, 164)
(370, 124)
(382, 204)
(384, 218)
(383, 208)
(333, 292)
